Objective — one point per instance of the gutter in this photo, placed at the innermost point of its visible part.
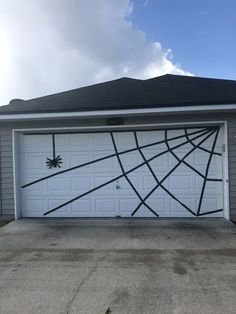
(121, 112)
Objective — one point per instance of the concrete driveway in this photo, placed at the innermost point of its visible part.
(118, 266)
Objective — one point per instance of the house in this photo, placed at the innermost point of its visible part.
(161, 147)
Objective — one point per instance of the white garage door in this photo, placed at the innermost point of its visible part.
(166, 173)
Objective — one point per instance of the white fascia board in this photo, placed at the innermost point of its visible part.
(126, 112)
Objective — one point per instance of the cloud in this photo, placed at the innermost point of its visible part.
(51, 46)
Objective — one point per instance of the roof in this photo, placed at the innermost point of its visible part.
(127, 93)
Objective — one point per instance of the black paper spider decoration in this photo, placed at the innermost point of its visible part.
(56, 160)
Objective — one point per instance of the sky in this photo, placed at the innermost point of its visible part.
(48, 46)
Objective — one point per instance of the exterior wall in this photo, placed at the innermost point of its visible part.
(6, 174)
(6, 158)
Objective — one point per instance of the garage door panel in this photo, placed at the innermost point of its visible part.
(130, 160)
(78, 142)
(105, 206)
(151, 153)
(128, 204)
(110, 164)
(82, 207)
(58, 185)
(203, 138)
(117, 197)
(150, 183)
(158, 202)
(181, 183)
(177, 168)
(32, 162)
(41, 187)
(102, 140)
(124, 140)
(124, 186)
(214, 188)
(81, 158)
(100, 180)
(211, 186)
(208, 143)
(177, 209)
(216, 164)
(33, 143)
(172, 133)
(34, 206)
(160, 164)
(150, 137)
(201, 158)
(179, 143)
(211, 203)
(172, 161)
(82, 183)
(62, 143)
(54, 202)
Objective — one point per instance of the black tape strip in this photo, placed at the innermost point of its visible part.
(216, 180)
(211, 212)
(53, 146)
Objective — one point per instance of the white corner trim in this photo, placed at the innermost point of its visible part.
(125, 112)
(225, 165)
(15, 174)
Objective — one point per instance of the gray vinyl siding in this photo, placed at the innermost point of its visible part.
(6, 176)
(232, 166)
(6, 159)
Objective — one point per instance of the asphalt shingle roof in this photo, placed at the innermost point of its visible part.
(127, 93)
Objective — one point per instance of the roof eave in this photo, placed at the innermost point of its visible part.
(120, 112)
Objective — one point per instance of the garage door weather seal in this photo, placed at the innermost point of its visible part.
(203, 134)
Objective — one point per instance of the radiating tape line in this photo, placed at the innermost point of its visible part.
(201, 148)
(106, 157)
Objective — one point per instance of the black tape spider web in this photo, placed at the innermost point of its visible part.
(203, 133)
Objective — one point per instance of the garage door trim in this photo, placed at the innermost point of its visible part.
(140, 127)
